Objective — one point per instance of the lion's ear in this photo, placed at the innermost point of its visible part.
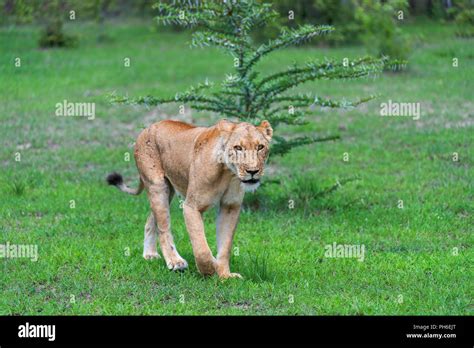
(266, 129)
(225, 125)
(225, 128)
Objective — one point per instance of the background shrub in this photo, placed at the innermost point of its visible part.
(465, 22)
(370, 22)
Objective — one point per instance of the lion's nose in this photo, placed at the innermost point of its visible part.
(252, 172)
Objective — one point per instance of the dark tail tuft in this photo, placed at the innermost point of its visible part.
(114, 179)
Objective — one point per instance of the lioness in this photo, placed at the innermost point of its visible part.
(206, 166)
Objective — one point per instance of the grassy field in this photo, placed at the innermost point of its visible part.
(418, 259)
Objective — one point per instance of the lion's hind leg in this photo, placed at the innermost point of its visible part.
(159, 194)
(159, 191)
(150, 241)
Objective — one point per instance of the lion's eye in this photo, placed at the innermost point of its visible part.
(260, 147)
(238, 148)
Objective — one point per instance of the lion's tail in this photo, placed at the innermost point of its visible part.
(116, 180)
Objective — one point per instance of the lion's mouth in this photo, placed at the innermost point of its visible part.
(251, 181)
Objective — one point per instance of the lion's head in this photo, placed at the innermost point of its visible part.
(245, 150)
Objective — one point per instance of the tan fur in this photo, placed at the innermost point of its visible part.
(173, 156)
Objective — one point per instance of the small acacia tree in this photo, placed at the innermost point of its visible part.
(244, 94)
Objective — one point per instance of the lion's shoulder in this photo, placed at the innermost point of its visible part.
(173, 125)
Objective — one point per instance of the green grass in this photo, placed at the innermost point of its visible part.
(83, 251)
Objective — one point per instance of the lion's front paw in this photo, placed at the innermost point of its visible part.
(177, 264)
(230, 275)
(206, 266)
(150, 255)
(206, 270)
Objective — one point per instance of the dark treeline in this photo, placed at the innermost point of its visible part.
(26, 11)
(374, 23)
